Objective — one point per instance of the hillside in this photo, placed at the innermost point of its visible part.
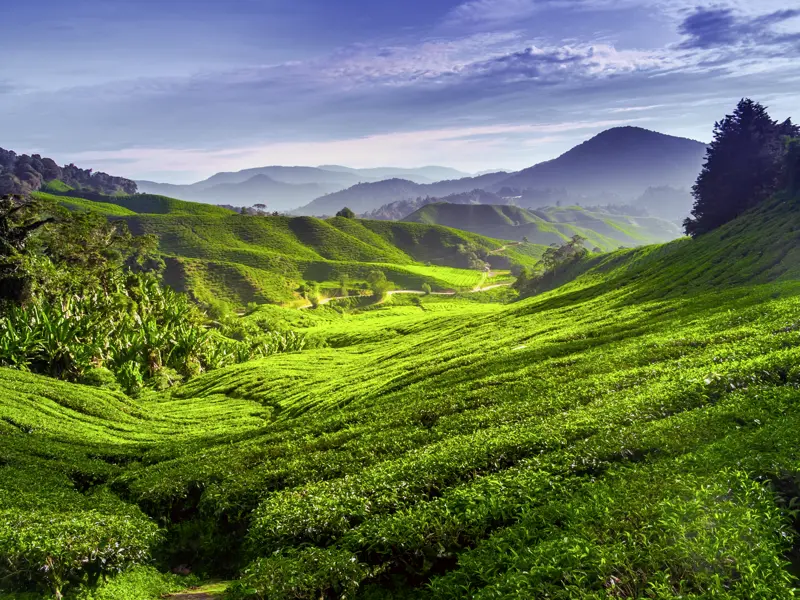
(218, 255)
(633, 433)
(366, 197)
(623, 161)
(398, 210)
(551, 225)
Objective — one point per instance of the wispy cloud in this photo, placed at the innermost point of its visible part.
(723, 27)
(469, 144)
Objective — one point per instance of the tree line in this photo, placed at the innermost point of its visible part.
(750, 158)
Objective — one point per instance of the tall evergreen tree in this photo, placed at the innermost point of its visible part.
(745, 164)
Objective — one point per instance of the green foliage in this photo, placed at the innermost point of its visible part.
(632, 433)
(140, 583)
(793, 164)
(54, 538)
(304, 573)
(346, 213)
(554, 259)
(426, 288)
(379, 285)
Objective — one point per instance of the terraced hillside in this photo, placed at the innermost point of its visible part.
(549, 225)
(216, 254)
(633, 433)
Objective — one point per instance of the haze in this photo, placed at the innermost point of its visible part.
(174, 91)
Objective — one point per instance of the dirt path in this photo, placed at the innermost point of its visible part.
(479, 288)
(211, 591)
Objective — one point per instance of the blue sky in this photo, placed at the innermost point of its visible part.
(175, 90)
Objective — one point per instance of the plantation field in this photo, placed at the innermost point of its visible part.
(218, 256)
(633, 433)
(549, 225)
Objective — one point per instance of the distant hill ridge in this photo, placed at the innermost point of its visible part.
(550, 225)
(284, 188)
(619, 163)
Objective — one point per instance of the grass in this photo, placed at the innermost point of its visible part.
(550, 225)
(632, 433)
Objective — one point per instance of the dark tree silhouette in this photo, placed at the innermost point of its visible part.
(744, 166)
(793, 165)
(346, 213)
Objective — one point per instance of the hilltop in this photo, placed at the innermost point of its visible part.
(366, 197)
(623, 161)
(550, 225)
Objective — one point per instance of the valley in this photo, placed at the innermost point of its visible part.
(472, 400)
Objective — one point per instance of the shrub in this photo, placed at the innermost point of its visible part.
(307, 573)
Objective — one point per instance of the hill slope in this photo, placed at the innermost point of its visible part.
(550, 225)
(366, 197)
(218, 254)
(636, 430)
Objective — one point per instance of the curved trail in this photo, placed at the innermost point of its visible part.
(416, 293)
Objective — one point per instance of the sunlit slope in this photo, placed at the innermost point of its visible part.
(550, 225)
(216, 253)
(636, 429)
(762, 246)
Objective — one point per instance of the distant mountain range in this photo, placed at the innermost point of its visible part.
(551, 225)
(285, 188)
(623, 165)
(616, 166)
(397, 211)
(365, 197)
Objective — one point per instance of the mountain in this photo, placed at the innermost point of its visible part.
(285, 188)
(429, 174)
(396, 211)
(623, 161)
(551, 225)
(280, 188)
(366, 197)
(616, 166)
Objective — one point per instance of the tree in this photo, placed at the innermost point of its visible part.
(522, 280)
(346, 213)
(20, 218)
(426, 288)
(793, 165)
(379, 285)
(525, 239)
(744, 165)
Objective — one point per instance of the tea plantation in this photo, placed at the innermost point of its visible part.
(633, 433)
(221, 257)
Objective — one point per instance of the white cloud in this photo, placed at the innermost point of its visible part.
(463, 147)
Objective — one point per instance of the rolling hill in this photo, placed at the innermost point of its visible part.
(550, 225)
(632, 433)
(215, 254)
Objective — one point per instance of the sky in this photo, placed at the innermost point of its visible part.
(176, 90)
